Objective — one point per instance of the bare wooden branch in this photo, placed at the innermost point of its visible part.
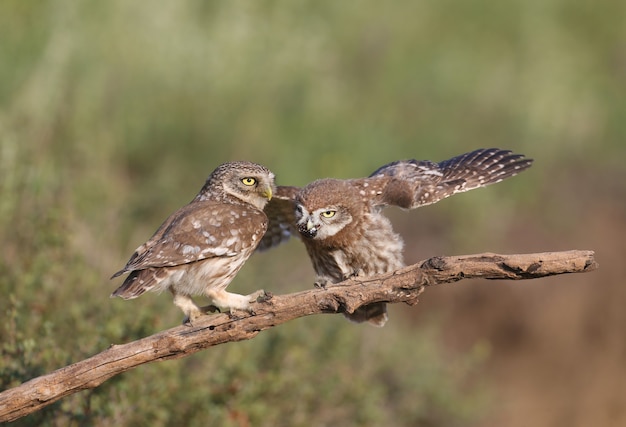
(401, 286)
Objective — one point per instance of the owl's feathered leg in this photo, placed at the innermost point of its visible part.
(190, 308)
(227, 301)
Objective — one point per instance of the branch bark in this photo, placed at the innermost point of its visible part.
(400, 286)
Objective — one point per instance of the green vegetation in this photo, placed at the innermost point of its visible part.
(113, 113)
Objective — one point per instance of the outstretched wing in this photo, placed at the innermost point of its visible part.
(280, 213)
(198, 231)
(411, 183)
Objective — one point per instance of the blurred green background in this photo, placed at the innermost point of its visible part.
(113, 113)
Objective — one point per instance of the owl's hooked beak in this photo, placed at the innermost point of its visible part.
(309, 229)
(268, 193)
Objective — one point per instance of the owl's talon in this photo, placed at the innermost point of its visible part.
(232, 315)
(210, 309)
(194, 314)
(356, 273)
(321, 284)
(265, 297)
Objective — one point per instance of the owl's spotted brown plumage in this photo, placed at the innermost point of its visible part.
(341, 223)
(200, 248)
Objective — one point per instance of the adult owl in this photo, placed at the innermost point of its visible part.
(341, 221)
(200, 248)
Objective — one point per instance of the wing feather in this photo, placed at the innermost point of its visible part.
(411, 183)
(280, 212)
(200, 230)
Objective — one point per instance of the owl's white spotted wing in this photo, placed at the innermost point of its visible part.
(199, 231)
(280, 212)
(412, 183)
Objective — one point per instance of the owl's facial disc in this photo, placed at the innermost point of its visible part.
(251, 186)
(321, 223)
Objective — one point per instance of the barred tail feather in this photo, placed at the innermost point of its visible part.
(375, 314)
(136, 283)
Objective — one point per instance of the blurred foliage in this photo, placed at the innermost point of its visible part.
(113, 113)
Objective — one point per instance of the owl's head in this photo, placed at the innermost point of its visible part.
(246, 181)
(324, 208)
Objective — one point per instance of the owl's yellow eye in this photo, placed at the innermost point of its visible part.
(329, 214)
(248, 181)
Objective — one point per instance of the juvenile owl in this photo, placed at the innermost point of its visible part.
(341, 222)
(200, 248)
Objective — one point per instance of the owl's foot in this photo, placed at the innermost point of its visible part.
(356, 273)
(226, 301)
(192, 316)
(264, 296)
(210, 309)
(191, 310)
(201, 311)
(238, 315)
(259, 296)
(321, 283)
